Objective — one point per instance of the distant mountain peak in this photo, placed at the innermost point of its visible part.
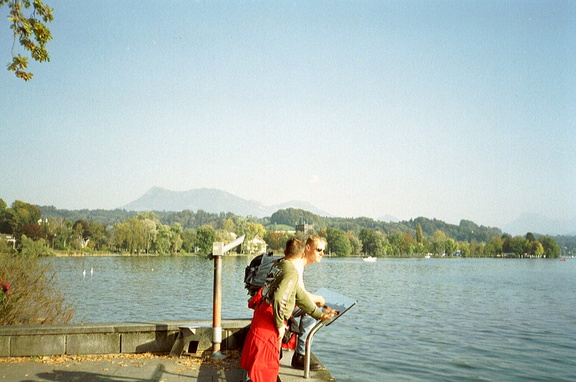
(539, 224)
(210, 200)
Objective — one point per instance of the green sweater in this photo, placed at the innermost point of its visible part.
(283, 292)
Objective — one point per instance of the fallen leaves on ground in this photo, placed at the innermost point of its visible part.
(137, 360)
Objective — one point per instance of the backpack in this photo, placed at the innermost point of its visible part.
(256, 272)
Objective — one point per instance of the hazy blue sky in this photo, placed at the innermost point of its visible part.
(444, 109)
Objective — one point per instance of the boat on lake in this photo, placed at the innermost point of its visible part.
(369, 259)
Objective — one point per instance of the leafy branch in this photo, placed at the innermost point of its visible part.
(31, 33)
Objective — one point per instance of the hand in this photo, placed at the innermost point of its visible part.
(318, 300)
(329, 313)
(281, 332)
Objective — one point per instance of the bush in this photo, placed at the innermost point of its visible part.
(34, 295)
(35, 247)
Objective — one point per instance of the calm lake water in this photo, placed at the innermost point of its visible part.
(416, 319)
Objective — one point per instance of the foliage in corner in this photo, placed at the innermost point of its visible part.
(34, 295)
(31, 32)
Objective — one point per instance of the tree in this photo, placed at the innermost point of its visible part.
(31, 32)
(338, 243)
(188, 239)
(164, 239)
(396, 241)
(205, 238)
(35, 247)
(494, 248)
(355, 242)
(438, 244)
(419, 234)
(20, 215)
(515, 245)
(276, 240)
(535, 248)
(372, 242)
(450, 246)
(551, 248)
(176, 240)
(4, 223)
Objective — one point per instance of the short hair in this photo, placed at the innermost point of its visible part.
(314, 238)
(294, 248)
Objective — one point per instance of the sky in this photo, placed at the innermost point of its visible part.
(443, 109)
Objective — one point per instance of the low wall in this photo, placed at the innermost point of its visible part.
(112, 338)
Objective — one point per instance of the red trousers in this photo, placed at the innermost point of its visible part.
(261, 353)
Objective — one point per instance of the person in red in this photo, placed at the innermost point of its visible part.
(273, 305)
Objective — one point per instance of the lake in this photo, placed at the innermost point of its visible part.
(416, 319)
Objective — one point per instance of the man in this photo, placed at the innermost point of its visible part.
(313, 252)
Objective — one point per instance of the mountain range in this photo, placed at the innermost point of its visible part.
(535, 223)
(210, 200)
(216, 201)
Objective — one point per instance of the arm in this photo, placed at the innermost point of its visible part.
(306, 303)
(283, 297)
(317, 299)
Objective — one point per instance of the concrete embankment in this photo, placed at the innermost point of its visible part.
(122, 351)
(113, 338)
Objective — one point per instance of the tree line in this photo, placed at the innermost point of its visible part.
(186, 231)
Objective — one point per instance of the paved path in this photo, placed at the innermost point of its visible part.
(138, 368)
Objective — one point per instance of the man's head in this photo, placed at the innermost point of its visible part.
(294, 248)
(315, 247)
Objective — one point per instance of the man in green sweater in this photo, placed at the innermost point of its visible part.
(273, 306)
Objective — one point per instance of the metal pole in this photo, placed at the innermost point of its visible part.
(218, 249)
(308, 346)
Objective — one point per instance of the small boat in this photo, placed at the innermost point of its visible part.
(369, 259)
(562, 259)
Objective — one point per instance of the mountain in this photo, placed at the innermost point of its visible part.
(535, 223)
(210, 200)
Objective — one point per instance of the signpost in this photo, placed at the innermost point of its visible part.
(218, 250)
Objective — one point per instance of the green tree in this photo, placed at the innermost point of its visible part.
(438, 242)
(205, 238)
(449, 246)
(476, 248)
(355, 242)
(535, 248)
(176, 241)
(255, 229)
(20, 215)
(515, 245)
(188, 239)
(338, 243)
(276, 240)
(494, 247)
(372, 242)
(464, 248)
(551, 248)
(4, 223)
(163, 241)
(35, 247)
(30, 31)
(419, 234)
(131, 235)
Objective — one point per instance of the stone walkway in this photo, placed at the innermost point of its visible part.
(138, 368)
